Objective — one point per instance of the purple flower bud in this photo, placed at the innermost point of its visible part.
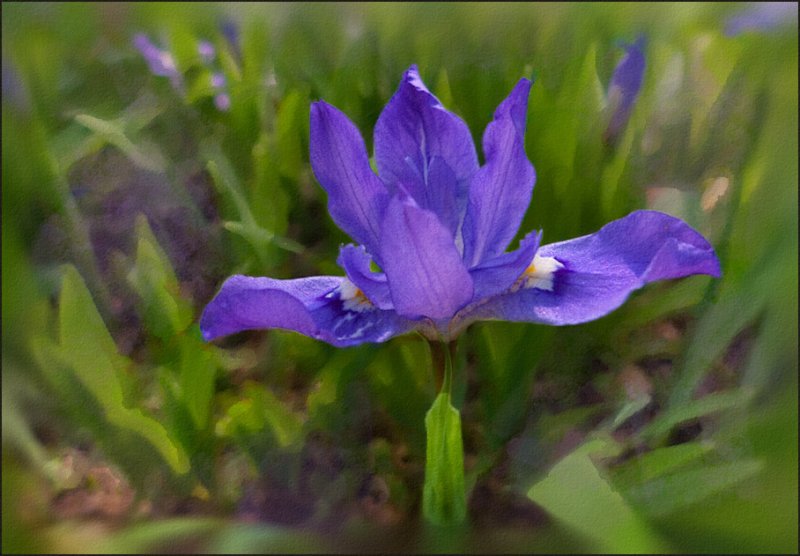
(217, 80)
(230, 30)
(160, 62)
(626, 82)
(223, 102)
(206, 51)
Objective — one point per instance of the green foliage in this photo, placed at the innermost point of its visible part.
(88, 353)
(164, 312)
(575, 493)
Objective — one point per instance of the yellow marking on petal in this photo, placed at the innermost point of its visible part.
(539, 274)
(353, 298)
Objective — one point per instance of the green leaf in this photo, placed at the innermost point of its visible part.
(712, 403)
(198, 371)
(165, 312)
(113, 133)
(290, 124)
(92, 355)
(628, 410)
(575, 493)
(259, 411)
(673, 492)
(444, 496)
(659, 462)
(228, 185)
(737, 307)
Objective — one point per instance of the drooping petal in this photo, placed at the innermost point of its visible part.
(356, 263)
(500, 191)
(426, 275)
(626, 82)
(590, 276)
(356, 196)
(413, 129)
(314, 307)
(499, 274)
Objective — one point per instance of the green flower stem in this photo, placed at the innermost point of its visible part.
(444, 498)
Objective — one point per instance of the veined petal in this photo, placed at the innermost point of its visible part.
(414, 129)
(590, 276)
(356, 263)
(316, 307)
(499, 274)
(356, 196)
(441, 197)
(426, 275)
(500, 191)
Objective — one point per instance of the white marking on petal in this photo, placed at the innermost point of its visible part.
(353, 299)
(540, 274)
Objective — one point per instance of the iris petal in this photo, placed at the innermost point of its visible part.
(310, 306)
(356, 196)
(413, 130)
(626, 82)
(499, 274)
(426, 274)
(500, 191)
(356, 263)
(600, 270)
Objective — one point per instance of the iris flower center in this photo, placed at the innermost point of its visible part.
(353, 299)
(540, 274)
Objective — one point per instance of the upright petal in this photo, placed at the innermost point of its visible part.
(413, 129)
(356, 263)
(501, 191)
(590, 276)
(356, 196)
(315, 307)
(626, 82)
(426, 275)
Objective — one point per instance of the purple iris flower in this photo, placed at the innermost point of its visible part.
(217, 80)
(159, 61)
(223, 102)
(626, 82)
(206, 51)
(762, 16)
(438, 225)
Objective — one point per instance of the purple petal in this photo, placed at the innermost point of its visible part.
(501, 190)
(230, 30)
(425, 272)
(600, 270)
(313, 307)
(356, 263)
(217, 80)
(160, 61)
(206, 51)
(413, 130)
(499, 274)
(223, 102)
(762, 16)
(356, 197)
(626, 82)
(442, 195)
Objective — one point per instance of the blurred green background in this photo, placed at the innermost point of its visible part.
(667, 426)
